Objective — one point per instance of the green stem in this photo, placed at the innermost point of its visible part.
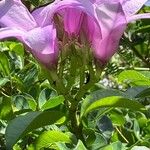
(76, 127)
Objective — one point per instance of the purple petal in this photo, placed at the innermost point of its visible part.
(14, 14)
(44, 15)
(131, 7)
(72, 21)
(11, 32)
(41, 42)
(91, 31)
(73, 13)
(113, 23)
(139, 16)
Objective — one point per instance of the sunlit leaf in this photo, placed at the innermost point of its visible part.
(6, 111)
(22, 125)
(44, 96)
(99, 94)
(3, 81)
(114, 101)
(49, 137)
(114, 146)
(134, 77)
(53, 102)
(4, 64)
(80, 146)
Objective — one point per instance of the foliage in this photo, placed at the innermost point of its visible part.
(34, 112)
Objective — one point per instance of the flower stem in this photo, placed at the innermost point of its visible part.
(76, 127)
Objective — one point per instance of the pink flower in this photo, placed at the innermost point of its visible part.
(37, 30)
(102, 22)
(16, 21)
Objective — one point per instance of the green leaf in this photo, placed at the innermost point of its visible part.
(53, 102)
(6, 111)
(114, 146)
(105, 125)
(144, 93)
(17, 48)
(90, 136)
(114, 101)
(80, 146)
(132, 92)
(31, 102)
(143, 29)
(20, 102)
(44, 95)
(134, 77)
(136, 129)
(140, 148)
(99, 94)
(24, 101)
(49, 137)
(3, 81)
(117, 119)
(22, 125)
(30, 76)
(4, 64)
(62, 146)
(99, 142)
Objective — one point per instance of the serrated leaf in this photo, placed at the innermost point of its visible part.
(22, 125)
(49, 137)
(114, 101)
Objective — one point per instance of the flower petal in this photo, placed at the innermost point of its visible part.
(41, 42)
(131, 7)
(113, 23)
(72, 20)
(14, 14)
(44, 15)
(91, 31)
(139, 16)
(11, 32)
